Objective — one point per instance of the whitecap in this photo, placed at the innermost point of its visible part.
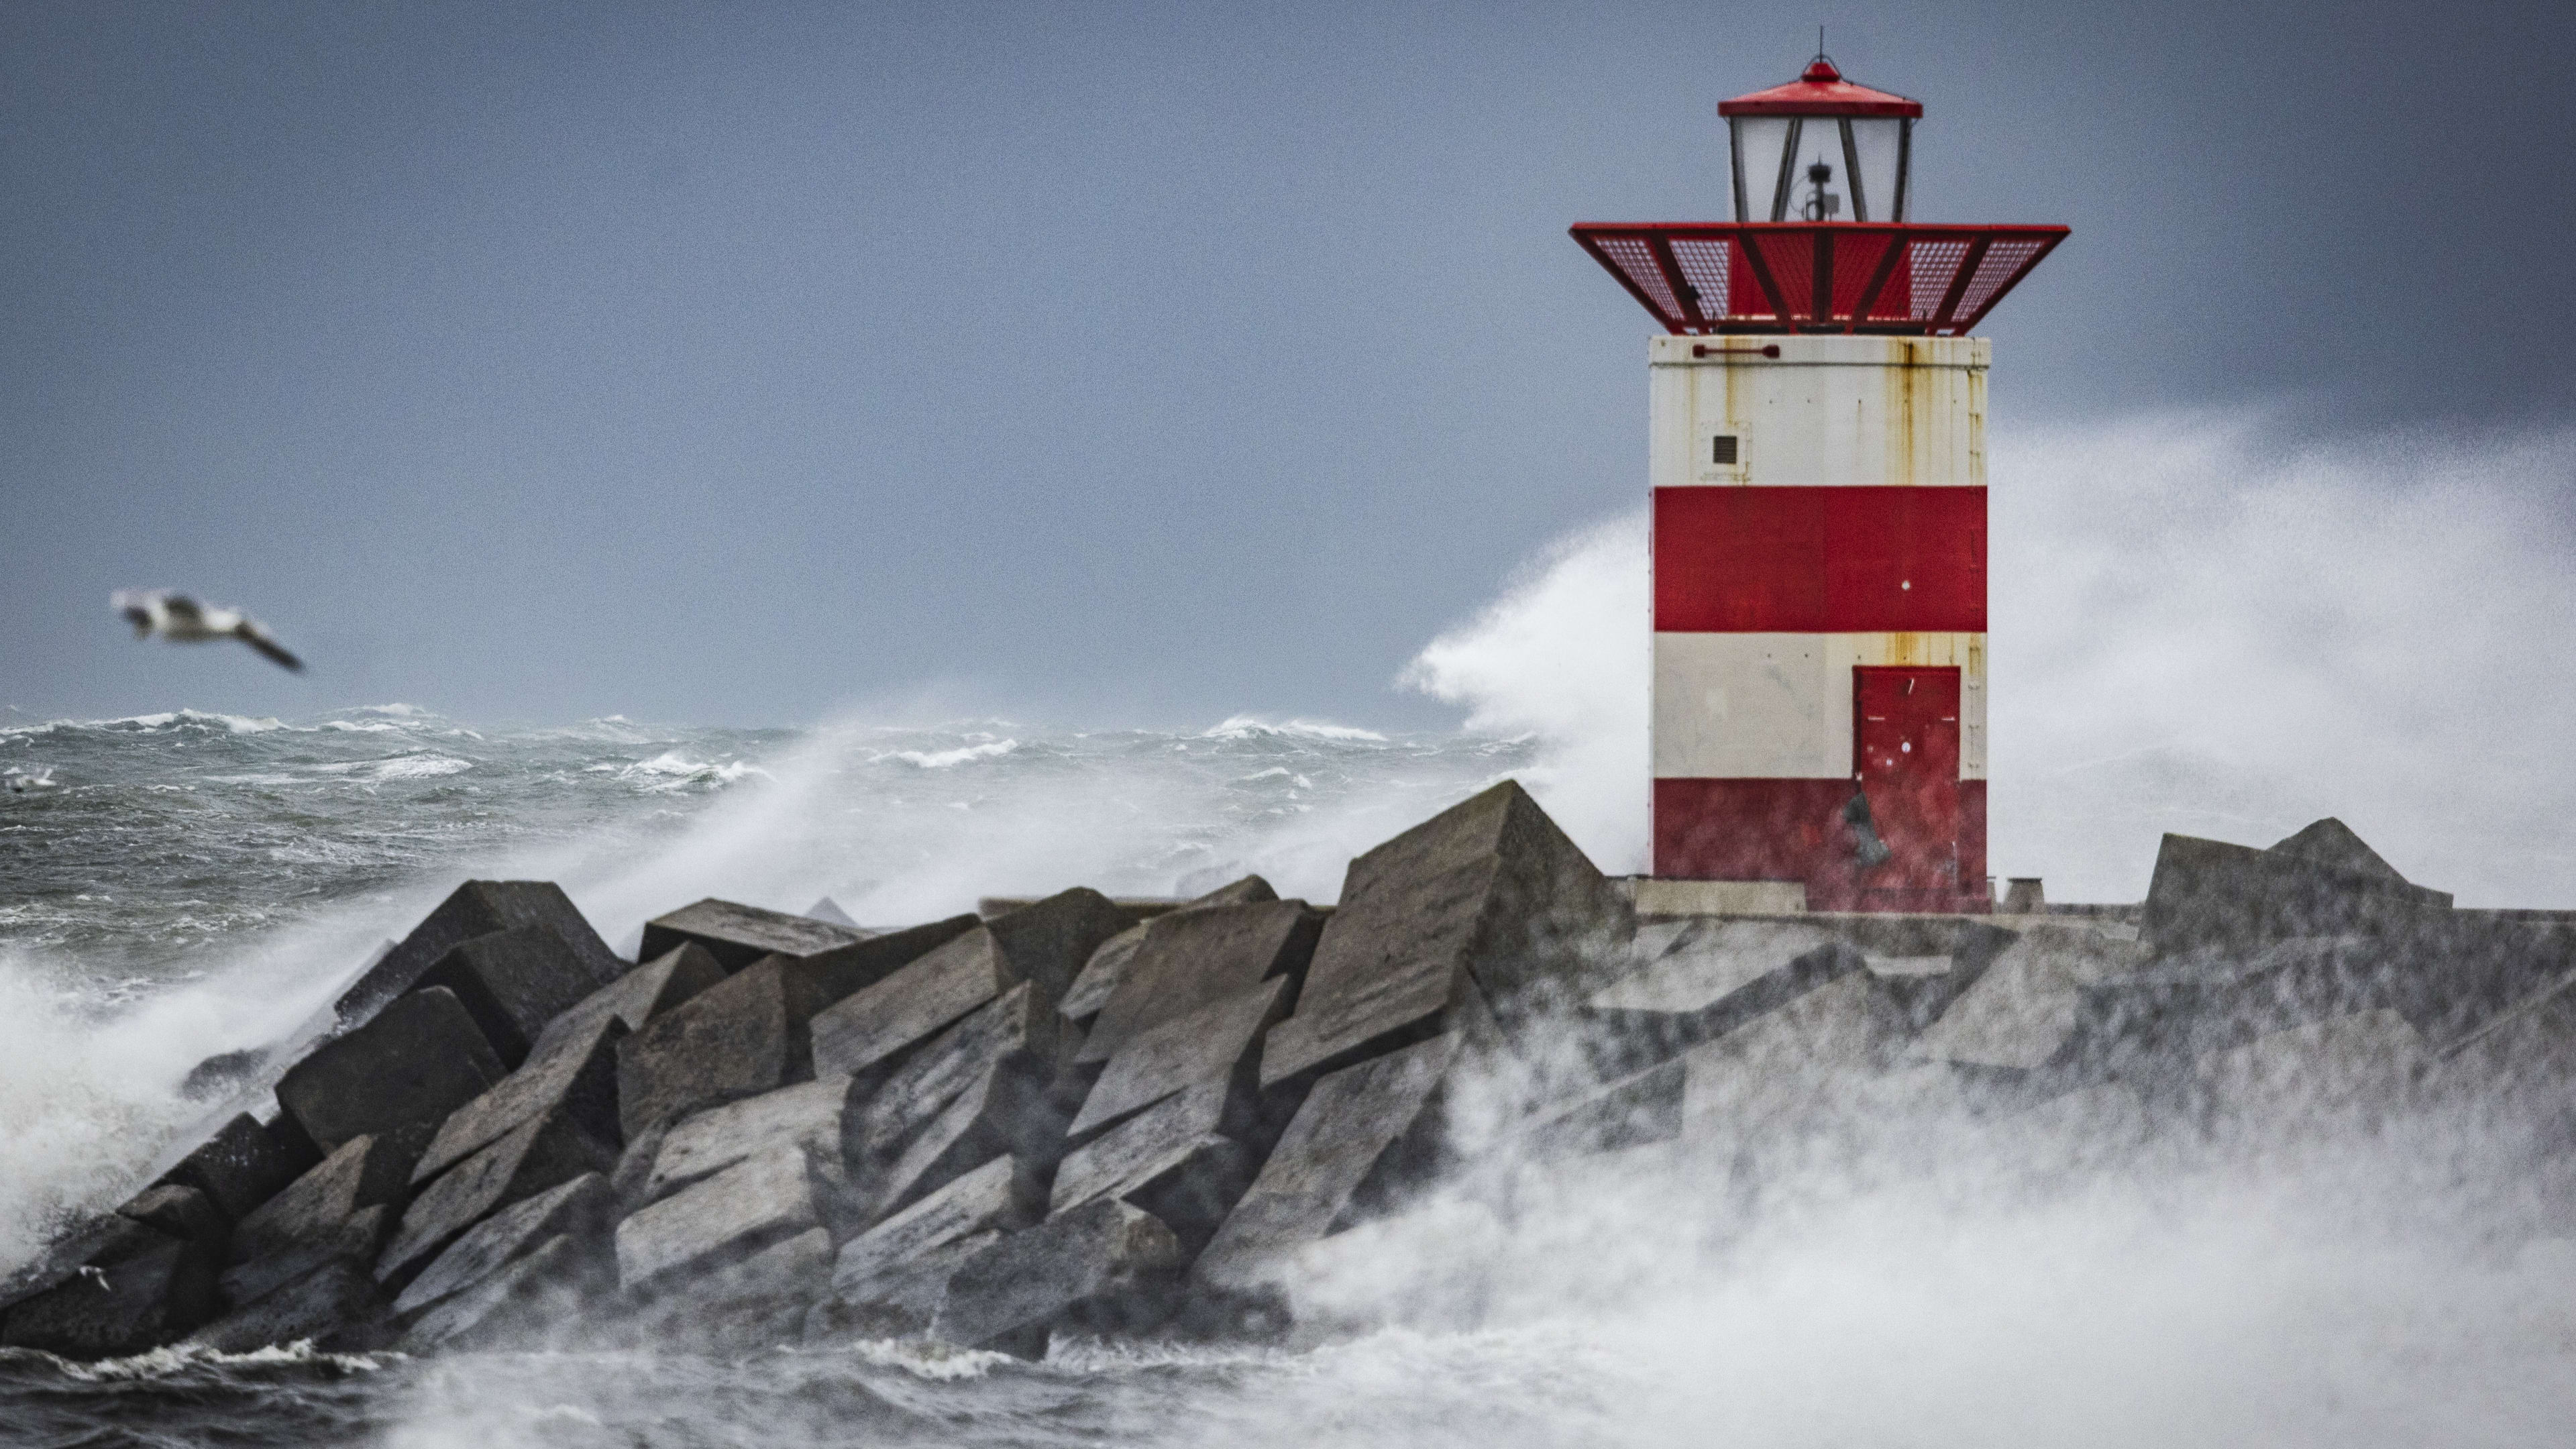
(944, 759)
(1245, 727)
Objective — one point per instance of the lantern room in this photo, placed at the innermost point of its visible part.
(1821, 149)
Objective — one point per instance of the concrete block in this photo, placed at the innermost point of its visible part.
(1017, 1030)
(1001, 1196)
(368, 1171)
(2350, 1069)
(1218, 1041)
(581, 1208)
(336, 1307)
(357, 1238)
(183, 1213)
(808, 1114)
(1049, 941)
(759, 1303)
(417, 1060)
(540, 1153)
(94, 1241)
(243, 1164)
(513, 983)
(1715, 977)
(476, 908)
(1774, 1074)
(753, 1032)
(737, 935)
(120, 1308)
(979, 1091)
(2021, 1013)
(1104, 1268)
(1365, 1136)
(829, 911)
(1633, 1111)
(1488, 893)
(1091, 989)
(900, 1301)
(2209, 893)
(573, 1070)
(533, 1295)
(1191, 958)
(728, 1217)
(1170, 1160)
(646, 992)
(1005, 1110)
(870, 1030)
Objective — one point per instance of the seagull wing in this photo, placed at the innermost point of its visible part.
(250, 633)
(136, 606)
(180, 606)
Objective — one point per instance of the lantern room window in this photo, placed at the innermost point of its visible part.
(1821, 149)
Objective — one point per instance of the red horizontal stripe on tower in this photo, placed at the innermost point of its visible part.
(1823, 560)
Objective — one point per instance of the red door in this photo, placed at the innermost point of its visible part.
(1905, 739)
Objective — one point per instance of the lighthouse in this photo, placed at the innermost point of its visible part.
(1817, 457)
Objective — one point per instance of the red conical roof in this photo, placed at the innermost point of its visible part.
(1820, 91)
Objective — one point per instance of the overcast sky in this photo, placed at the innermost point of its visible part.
(1102, 364)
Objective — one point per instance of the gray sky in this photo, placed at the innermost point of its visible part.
(1115, 364)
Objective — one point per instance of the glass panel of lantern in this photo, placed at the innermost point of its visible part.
(1820, 168)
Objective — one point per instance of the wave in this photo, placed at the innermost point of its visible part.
(949, 759)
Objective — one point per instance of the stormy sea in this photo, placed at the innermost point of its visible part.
(179, 884)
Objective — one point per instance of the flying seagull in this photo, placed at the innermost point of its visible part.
(182, 620)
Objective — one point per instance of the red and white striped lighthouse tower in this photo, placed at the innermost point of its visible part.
(1818, 462)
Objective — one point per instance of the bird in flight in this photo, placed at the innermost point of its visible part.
(182, 620)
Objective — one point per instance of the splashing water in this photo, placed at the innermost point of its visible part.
(2195, 628)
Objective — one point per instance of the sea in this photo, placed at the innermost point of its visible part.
(185, 882)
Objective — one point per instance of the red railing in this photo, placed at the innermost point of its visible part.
(1706, 277)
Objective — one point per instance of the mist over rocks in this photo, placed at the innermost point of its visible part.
(1070, 1118)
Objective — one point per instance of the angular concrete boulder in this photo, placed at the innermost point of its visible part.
(1098, 979)
(871, 1030)
(336, 1307)
(244, 1163)
(1718, 975)
(513, 983)
(1191, 958)
(581, 1208)
(808, 1115)
(1641, 1108)
(737, 935)
(1778, 1074)
(2021, 1013)
(544, 1291)
(981, 1090)
(1216, 1042)
(365, 1172)
(749, 1206)
(357, 1238)
(661, 983)
(1049, 941)
(476, 908)
(1364, 1137)
(759, 1303)
(900, 1301)
(92, 1242)
(2346, 1071)
(2209, 893)
(1103, 1268)
(419, 1059)
(573, 1070)
(543, 1152)
(1000, 1196)
(1485, 907)
(120, 1308)
(1171, 1160)
(752, 1032)
(181, 1212)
